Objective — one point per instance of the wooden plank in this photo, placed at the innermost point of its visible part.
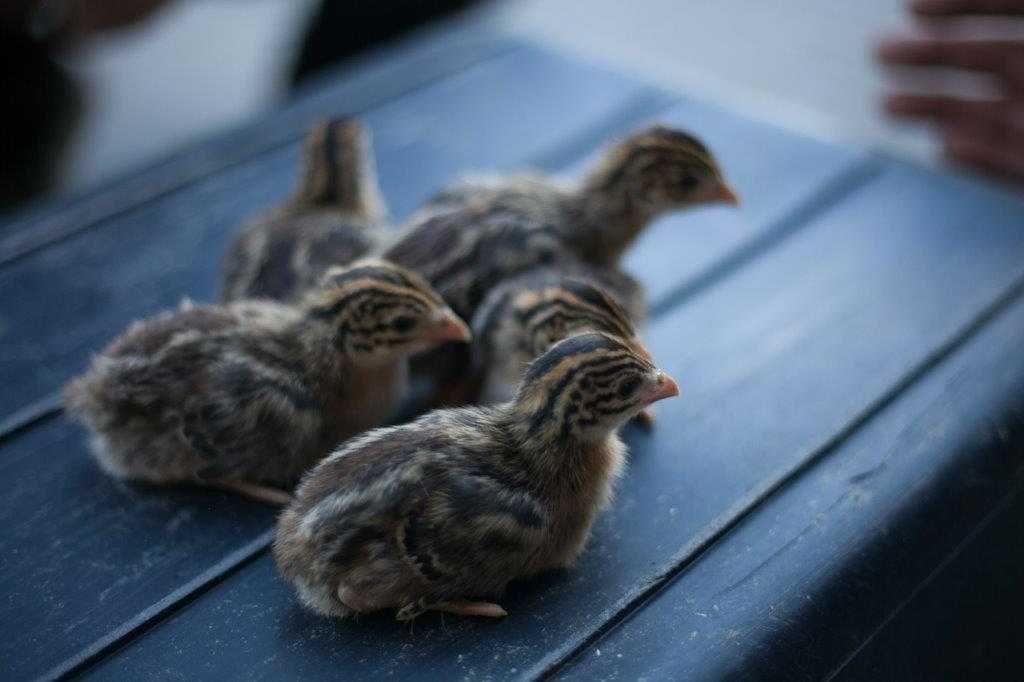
(81, 555)
(778, 363)
(181, 229)
(809, 579)
(91, 291)
(64, 303)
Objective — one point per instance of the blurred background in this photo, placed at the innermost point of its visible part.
(101, 87)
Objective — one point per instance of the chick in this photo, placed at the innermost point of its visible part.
(335, 217)
(526, 315)
(477, 234)
(448, 509)
(249, 395)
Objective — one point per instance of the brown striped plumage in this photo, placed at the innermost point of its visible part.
(650, 172)
(256, 392)
(458, 503)
(335, 217)
(523, 317)
(477, 234)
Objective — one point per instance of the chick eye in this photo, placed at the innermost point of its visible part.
(689, 181)
(403, 323)
(628, 387)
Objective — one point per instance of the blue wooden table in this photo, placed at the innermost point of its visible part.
(837, 492)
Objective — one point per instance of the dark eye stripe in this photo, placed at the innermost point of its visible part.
(403, 323)
(595, 321)
(628, 388)
(596, 367)
(368, 292)
(628, 363)
(381, 306)
(659, 145)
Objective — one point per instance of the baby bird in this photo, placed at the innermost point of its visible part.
(335, 217)
(478, 233)
(249, 395)
(442, 512)
(523, 317)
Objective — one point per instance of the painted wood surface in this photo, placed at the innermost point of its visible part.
(845, 285)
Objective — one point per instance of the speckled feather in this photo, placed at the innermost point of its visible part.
(335, 217)
(477, 234)
(255, 390)
(523, 317)
(462, 501)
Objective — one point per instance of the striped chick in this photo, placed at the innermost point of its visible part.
(249, 395)
(335, 217)
(442, 513)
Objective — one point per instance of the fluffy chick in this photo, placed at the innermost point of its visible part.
(523, 317)
(249, 395)
(335, 217)
(453, 506)
(478, 233)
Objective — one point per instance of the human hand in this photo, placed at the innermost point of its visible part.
(987, 135)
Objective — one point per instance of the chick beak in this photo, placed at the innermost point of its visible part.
(664, 387)
(447, 326)
(723, 193)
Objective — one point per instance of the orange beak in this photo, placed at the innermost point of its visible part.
(664, 387)
(723, 193)
(447, 326)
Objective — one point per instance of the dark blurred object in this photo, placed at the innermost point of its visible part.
(986, 135)
(68, 20)
(341, 28)
(43, 104)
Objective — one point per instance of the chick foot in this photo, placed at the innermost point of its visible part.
(645, 420)
(261, 493)
(471, 608)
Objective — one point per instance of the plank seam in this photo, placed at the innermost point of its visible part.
(989, 518)
(835, 190)
(172, 602)
(30, 415)
(633, 601)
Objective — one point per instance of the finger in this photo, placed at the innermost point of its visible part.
(983, 167)
(941, 107)
(940, 8)
(993, 147)
(963, 54)
(1004, 58)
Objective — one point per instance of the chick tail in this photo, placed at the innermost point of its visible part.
(108, 394)
(72, 396)
(79, 398)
